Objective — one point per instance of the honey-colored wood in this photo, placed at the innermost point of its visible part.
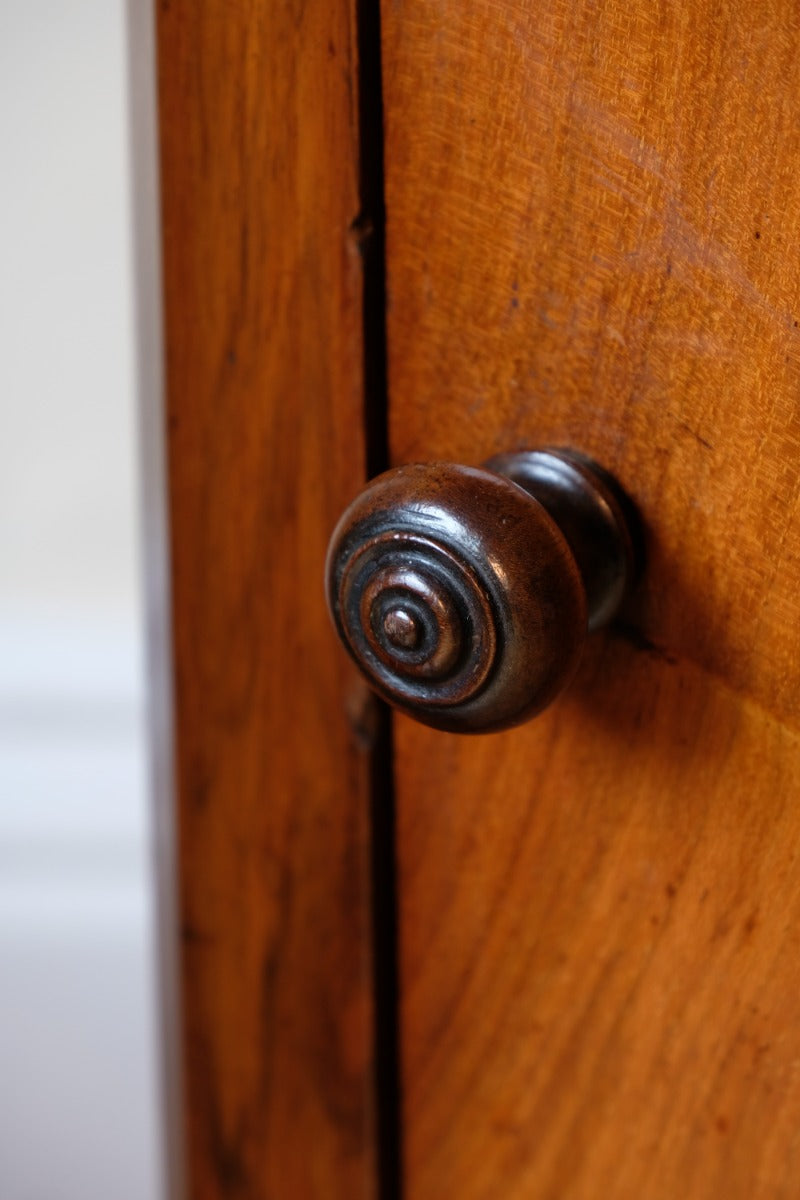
(593, 229)
(263, 286)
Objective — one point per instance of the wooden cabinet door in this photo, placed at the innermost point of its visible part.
(593, 217)
(593, 240)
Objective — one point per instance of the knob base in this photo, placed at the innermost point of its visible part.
(593, 513)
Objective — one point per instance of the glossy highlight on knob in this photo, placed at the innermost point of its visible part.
(465, 594)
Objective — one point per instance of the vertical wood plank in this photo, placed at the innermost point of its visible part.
(263, 312)
(593, 214)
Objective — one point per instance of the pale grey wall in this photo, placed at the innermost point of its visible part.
(78, 1112)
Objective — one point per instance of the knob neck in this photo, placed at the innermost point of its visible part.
(592, 513)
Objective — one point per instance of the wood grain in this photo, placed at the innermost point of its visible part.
(593, 221)
(263, 285)
(601, 945)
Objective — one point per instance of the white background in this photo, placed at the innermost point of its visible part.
(79, 1118)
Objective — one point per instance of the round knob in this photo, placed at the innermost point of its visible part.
(465, 595)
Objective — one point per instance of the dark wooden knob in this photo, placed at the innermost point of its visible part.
(465, 594)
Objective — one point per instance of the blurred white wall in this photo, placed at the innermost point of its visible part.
(79, 1118)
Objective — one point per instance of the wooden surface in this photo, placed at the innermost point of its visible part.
(593, 222)
(259, 138)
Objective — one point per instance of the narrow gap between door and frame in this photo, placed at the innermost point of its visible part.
(370, 226)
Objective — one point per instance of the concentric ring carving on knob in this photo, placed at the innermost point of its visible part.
(457, 595)
(422, 617)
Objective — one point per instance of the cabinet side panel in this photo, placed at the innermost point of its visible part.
(263, 318)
